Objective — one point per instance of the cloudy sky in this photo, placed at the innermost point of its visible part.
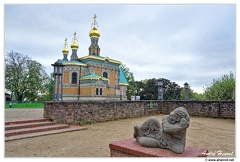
(182, 43)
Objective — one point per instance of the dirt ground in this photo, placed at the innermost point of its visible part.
(215, 135)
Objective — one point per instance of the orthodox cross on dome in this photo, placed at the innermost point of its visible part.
(94, 24)
(65, 50)
(75, 37)
(74, 47)
(65, 44)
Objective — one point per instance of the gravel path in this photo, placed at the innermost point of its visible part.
(21, 114)
(216, 135)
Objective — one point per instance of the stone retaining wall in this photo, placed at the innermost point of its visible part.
(218, 109)
(85, 112)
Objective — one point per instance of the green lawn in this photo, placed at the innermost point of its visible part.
(26, 105)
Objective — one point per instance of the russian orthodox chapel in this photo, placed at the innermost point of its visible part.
(91, 77)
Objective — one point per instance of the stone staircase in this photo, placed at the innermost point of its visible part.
(15, 130)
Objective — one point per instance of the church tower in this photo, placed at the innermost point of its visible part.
(65, 51)
(94, 35)
(74, 47)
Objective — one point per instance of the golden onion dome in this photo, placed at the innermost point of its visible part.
(94, 32)
(74, 44)
(65, 49)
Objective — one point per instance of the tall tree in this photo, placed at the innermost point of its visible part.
(27, 76)
(172, 91)
(139, 87)
(221, 88)
(48, 95)
(131, 89)
(191, 95)
(151, 90)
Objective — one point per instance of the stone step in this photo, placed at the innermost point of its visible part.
(26, 121)
(27, 125)
(21, 129)
(49, 132)
(33, 130)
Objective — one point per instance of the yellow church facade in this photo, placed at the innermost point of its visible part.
(91, 77)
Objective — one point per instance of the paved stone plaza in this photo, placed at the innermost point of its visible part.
(215, 135)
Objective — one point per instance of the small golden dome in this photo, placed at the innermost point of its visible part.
(74, 44)
(65, 50)
(94, 32)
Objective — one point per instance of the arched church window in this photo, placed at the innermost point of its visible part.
(96, 91)
(74, 78)
(105, 74)
(100, 91)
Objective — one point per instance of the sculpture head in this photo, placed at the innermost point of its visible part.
(177, 114)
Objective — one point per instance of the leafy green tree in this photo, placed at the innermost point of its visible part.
(221, 88)
(172, 91)
(191, 95)
(144, 81)
(131, 89)
(139, 87)
(49, 86)
(197, 96)
(150, 90)
(27, 76)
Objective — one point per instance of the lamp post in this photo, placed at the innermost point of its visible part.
(160, 89)
(186, 87)
(58, 84)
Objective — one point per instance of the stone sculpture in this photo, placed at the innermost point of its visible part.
(171, 135)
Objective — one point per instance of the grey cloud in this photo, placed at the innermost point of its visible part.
(193, 43)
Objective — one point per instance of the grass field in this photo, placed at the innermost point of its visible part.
(25, 105)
